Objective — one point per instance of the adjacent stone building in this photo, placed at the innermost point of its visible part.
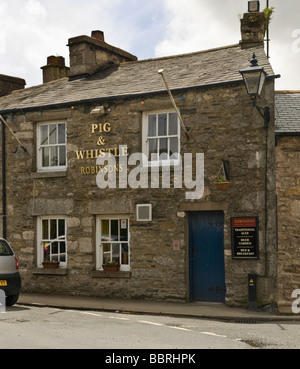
(177, 236)
(288, 196)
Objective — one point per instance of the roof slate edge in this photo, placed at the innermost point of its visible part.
(287, 92)
(122, 97)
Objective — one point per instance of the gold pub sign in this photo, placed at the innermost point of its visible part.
(100, 151)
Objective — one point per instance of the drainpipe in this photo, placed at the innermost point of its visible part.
(266, 126)
(3, 180)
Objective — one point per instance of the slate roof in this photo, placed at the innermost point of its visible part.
(199, 69)
(287, 111)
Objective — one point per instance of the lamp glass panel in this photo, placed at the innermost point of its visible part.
(252, 81)
(261, 83)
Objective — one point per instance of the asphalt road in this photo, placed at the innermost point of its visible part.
(50, 328)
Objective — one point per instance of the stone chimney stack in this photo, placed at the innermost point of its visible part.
(253, 26)
(89, 55)
(9, 84)
(55, 69)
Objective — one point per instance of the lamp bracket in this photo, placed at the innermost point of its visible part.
(264, 112)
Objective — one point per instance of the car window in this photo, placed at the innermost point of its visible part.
(5, 250)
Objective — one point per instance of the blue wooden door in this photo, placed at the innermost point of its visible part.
(207, 270)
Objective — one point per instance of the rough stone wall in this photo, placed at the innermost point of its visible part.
(222, 124)
(288, 204)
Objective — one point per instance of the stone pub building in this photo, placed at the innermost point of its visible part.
(173, 242)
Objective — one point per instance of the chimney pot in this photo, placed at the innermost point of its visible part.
(56, 60)
(98, 35)
(253, 6)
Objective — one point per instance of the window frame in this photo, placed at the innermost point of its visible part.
(40, 147)
(146, 137)
(41, 241)
(100, 242)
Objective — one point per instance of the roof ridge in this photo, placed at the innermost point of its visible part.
(182, 55)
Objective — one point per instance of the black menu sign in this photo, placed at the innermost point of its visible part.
(244, 238)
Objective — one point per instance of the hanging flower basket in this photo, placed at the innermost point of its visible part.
(222, 184)
(50, 264)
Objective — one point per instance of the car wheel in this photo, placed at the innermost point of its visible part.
(11, 300)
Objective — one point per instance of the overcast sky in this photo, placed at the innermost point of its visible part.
(32, 30)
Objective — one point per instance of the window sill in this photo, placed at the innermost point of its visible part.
(42, 271)
(160, 166)
(54, 174)
(102, 274)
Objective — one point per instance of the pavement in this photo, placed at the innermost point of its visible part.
(215, 311)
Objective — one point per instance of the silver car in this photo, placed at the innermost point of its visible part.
(10, 279)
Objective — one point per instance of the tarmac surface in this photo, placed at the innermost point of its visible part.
(215, 311)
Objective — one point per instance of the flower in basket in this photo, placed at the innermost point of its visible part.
(221, 180)
(111, 264)
(222, 184)
(50, 264)
(51, 261)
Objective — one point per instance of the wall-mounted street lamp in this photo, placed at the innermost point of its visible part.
(254, 78)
